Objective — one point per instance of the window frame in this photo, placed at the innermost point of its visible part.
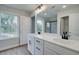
(17, 27)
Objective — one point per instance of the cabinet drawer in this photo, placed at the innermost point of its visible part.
(59, 49)
(38, 42)
(38, 46)
(38, 51)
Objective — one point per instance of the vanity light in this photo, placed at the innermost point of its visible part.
(40, 8)
(64, 6)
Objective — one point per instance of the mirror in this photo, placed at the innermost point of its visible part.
(51, 26)
(56, 19)
(47, 21)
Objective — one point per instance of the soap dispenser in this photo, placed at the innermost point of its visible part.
(39, 32)
(66, 35)
(63, 35)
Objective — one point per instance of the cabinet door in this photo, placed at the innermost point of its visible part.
(31, 44)
(38, 50)
(60, 50)
(38, 42)
(38, 46)
(47, 51)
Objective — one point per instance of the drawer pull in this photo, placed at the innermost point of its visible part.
(37, 48)
(37, 41)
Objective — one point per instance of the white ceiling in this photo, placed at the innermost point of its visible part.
(51, 12)
(23, 7)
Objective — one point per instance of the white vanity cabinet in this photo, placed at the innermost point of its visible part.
(52, 49)
(38, 46)
(35, 45)
(31, 44)
(48, 51)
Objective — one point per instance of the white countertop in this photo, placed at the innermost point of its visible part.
(56, 39)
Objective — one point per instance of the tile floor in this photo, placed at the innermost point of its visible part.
(22, 50)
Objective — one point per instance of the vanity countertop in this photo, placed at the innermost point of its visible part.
(56, 39)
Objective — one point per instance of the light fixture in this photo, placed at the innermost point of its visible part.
(64, 6)
(40, 8)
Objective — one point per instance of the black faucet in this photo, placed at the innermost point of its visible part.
(39, 32)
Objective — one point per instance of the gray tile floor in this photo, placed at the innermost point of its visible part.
(16, 51)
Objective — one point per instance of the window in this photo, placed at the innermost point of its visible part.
(8, 25)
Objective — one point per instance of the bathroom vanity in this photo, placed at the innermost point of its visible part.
(45, 44)
(63, 24)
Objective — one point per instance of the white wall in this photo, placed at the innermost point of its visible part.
(25, 27)
(73, 20)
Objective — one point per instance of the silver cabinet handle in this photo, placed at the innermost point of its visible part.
(37, 41)
(37, 48)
